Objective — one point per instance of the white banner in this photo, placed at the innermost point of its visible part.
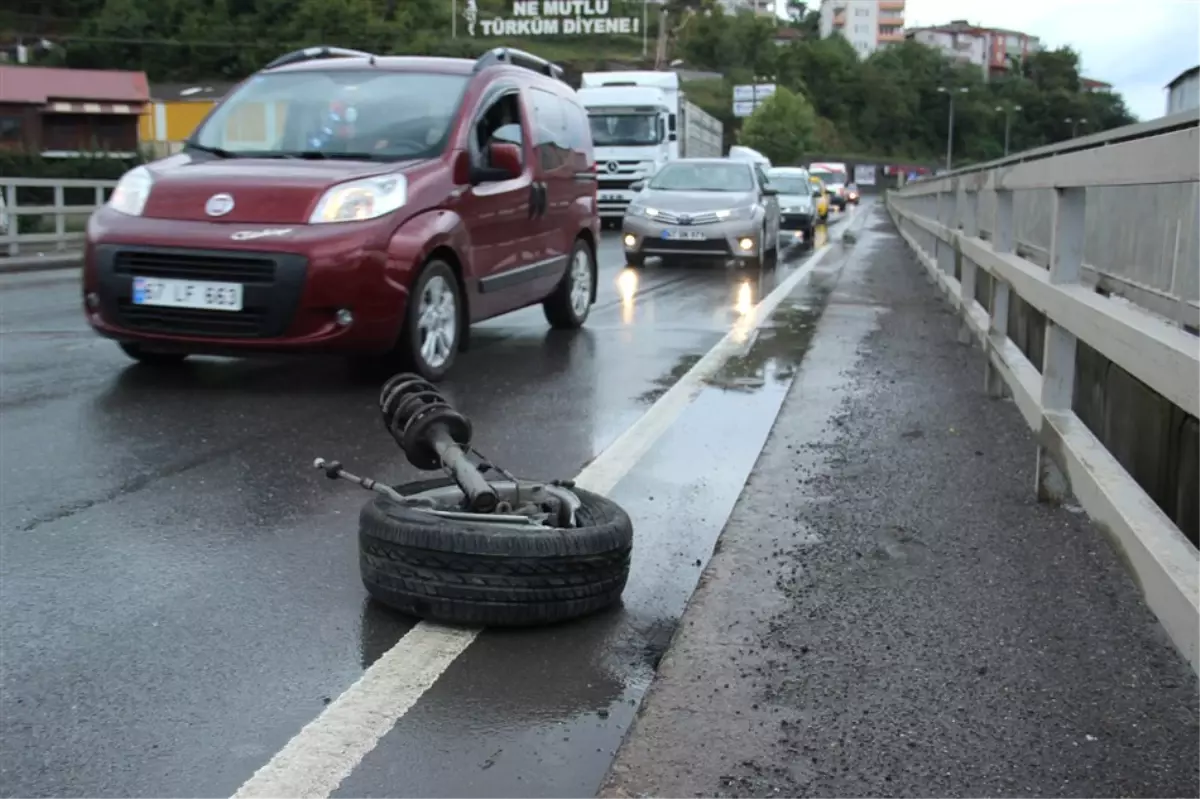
(551, 18)
(864, 174)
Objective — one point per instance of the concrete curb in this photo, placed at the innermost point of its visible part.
(19, 264)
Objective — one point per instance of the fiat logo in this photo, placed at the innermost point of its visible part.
(219, 205)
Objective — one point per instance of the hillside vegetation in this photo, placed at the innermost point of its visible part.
(887, 106)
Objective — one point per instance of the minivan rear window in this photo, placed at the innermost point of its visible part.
(371, 114)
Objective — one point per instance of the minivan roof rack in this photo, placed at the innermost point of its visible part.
(320, 51)
(518, 58)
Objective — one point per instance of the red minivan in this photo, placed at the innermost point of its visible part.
(342, 202)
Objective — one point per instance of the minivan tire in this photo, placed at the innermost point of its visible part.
(567, 308)
(150, 357)
(479, 574)
(409, 346)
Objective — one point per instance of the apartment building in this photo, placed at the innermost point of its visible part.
(993, 50)
(867, 24)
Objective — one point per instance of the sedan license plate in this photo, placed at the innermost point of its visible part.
(682, 235)
(203, 295)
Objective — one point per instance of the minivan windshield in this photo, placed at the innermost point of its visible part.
(624, 130)
(791, 183)
(682, 176)
(370, 114)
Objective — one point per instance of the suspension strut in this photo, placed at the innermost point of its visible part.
(433, 435)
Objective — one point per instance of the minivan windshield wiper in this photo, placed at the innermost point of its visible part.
(204, 148)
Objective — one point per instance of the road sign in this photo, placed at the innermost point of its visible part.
(864, 174)
(748, 97)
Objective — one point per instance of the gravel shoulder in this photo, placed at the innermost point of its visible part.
(889, 611)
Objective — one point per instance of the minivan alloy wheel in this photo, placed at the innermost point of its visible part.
(581, 282)
(437, 321)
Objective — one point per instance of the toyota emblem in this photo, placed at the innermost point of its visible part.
(612, 166)
(685, 219)
(219, 205)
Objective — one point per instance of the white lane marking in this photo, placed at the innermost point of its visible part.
(314, 763)
(324, 753)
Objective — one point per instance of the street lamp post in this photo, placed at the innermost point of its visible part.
(1007, 121)
(950, 131)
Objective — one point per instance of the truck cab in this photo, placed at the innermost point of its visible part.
(634, 118)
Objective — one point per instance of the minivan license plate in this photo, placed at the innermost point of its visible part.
(682, 235)
(203, 295)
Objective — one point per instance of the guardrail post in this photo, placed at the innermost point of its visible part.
(14, 218)
(60, 220)
(969, 216)
(1003, 233)
(1058, 362)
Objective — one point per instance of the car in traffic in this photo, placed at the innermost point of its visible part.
(852, 195)
(343, 202)
(835, 176)
(820, 196)
(797, 206)
(703, 208)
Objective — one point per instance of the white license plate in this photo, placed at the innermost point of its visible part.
(204, 295)
(682, 235)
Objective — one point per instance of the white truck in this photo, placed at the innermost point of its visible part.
(640, 120)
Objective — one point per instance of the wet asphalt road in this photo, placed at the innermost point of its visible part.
(179, 592)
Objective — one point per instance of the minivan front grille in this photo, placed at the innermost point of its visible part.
(272, 284)
(246, 323)
(230, 267)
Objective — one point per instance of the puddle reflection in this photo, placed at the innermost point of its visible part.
(627, 285)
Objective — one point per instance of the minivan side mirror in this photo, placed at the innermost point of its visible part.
(504, 163)
(770, 191)
(637, 185)
(816, 191)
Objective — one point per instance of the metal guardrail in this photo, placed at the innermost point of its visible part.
(1142, 242)
(941, 219)
(24, 237)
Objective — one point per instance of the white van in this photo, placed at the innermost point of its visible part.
(739, 153)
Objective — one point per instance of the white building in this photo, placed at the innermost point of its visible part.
(867, 24)
(760, 7)
(1183, 93)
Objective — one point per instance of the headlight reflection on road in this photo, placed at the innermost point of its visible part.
(627, 285)
(743, 305)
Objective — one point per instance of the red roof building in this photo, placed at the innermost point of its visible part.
(65, 112)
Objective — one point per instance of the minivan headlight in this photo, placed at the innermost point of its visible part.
(358, 200)
(132, 191)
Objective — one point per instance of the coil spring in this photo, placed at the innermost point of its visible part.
(411, 406)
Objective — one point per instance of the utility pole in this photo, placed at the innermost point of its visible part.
(950, 131)
(645, 32)
(1007, 122)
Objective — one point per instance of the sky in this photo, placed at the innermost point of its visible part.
(1136, 46)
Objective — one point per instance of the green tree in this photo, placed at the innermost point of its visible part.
(781, 128)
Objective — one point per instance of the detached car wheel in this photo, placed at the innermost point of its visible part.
(569, 305)
(433, 322)
(151, 358)
(479, 574)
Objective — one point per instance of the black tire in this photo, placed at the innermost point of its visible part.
(559, 307)
(150, 357)
(485, 575)
(408, 349)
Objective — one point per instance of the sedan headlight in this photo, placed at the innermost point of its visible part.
(357, 200)
(641, 210)
(737, 213)
(132, 191)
